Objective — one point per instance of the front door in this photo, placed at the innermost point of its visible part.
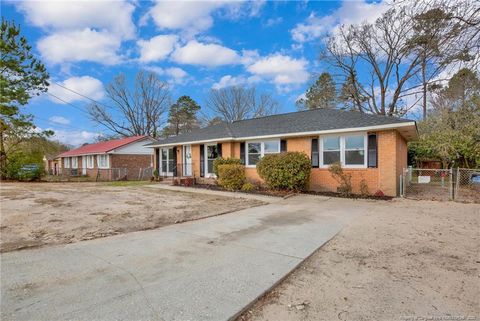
(84, 165)
(166, 161)
(187, 160)
(211, 153)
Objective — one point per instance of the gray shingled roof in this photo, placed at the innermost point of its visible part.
(295, 122)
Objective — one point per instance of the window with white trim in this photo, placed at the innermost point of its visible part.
(66, 162)
(349, 150)
(102, 161)
(74, 162)
(256, 150)
(90, 161)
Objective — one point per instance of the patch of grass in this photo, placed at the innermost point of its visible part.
(127, 183)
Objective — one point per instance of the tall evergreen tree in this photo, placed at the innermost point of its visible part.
(182, 117)
(322, 94)
(22, 76)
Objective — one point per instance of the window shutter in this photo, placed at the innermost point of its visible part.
(242, 153)
(202, 160)
(174, 170)
(283, 146)
(372, 151)
(219, 150)
(315, 155)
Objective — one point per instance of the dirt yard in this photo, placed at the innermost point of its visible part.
(36, 214)
(408, 260)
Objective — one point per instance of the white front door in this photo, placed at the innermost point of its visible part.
(84, 165)
(211, 153)
(187, 160)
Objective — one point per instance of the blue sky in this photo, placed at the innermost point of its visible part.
(194, 46)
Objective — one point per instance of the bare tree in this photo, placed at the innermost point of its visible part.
(238, 102)
(446, 36)
(386, 65)
(134, 112)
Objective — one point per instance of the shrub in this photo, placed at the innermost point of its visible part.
(155, 173)
(345, 180)
(224, 161)
(231, 176)
(287, 171)
(364, 191)
(248, 187)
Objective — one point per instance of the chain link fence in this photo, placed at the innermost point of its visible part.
(145, 174)
(430, 184)
(457, 184)
(89, 175)
(467, 185)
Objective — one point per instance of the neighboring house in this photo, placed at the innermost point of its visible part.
(369, 147)
(126, 153)
(52, 164)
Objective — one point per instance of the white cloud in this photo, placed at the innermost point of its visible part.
(193, 17)
(273, 21)
(210, 55)
(190, 16)
(112, 16)
(176, 75)
(85, 85)
(75, 137)
(59, 120)
(157, 48)
(87, 44)
(350, 12)
(228, 81)
(281, 69)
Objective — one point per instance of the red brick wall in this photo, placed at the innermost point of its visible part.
(392, 158)
(133, 163)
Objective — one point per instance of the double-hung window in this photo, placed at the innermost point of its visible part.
(66, 163)
(348, 150)
(102, 161)
(256, 150)
(74, 162)
(90, 161)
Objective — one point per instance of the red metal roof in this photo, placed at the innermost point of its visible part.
(102, 147)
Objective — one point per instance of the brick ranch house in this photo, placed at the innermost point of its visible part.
(126, 153)
(369, 147)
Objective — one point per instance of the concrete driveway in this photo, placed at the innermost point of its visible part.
(208, 269)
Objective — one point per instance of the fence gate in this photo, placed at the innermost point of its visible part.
(427, 184)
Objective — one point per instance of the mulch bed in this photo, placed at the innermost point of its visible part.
(276, 193)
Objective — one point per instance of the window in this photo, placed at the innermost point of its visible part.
(256, 150)
(102, 161)
(349, 150)
(90, 161)
(331, 150)
(74, 162)
(355, 150)
(66, 162)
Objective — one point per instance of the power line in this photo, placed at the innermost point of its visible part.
(82, 95)
(68, 103)
(61, 125)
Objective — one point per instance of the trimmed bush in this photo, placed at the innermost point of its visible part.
(231, 176)
(224, 161)
(285, 171)
(248, 187)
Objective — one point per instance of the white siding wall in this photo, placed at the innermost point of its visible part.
(136, 148)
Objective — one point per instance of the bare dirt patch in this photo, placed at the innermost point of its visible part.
(35, 214)
(408, 260)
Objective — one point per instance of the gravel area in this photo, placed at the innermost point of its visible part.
(37, 214)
